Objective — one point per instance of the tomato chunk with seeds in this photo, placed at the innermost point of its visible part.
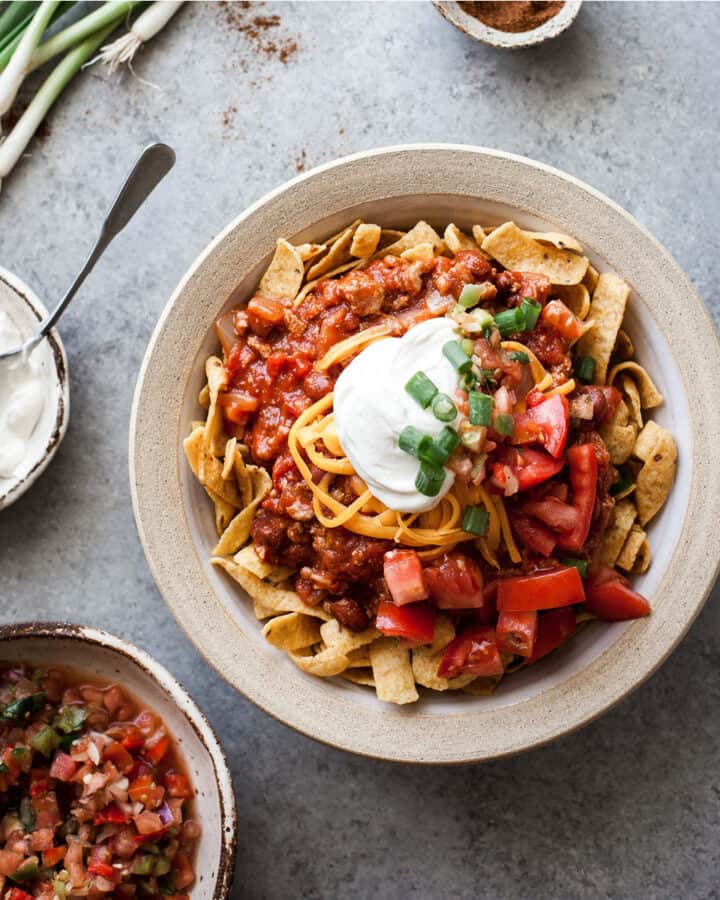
(455, 582)
(544, 423)
(608, 596)
(516, 631)
(403, 575)
(415, 622)
(557, 316)
(475, 652)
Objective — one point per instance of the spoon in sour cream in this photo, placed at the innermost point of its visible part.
(152, 166)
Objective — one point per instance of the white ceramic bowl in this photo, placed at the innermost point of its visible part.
(509, 40)
(27, 311)
(105, 656)
(674, 337)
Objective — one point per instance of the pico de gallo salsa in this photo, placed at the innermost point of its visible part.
(94, 801)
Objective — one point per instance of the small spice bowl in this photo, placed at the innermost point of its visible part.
(99, 655)
(26, 311)
(509, 40)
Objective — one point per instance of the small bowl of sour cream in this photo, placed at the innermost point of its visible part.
(34, 392)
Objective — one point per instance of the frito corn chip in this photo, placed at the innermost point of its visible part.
(619, 435)
(444, 632)
(425, 663)
(292, 631)
(285, 273)
(650, 396)
(238, 531)
(337, 255)
(419, 251)
(310, 251)
(512, 247)
(193, 446)
(629, 553)
(360, 658)
(607, 309)
(248, 559)
(615, 537)
(646, 440)
(656, 477)
(632, 398)
(359, 676)
(204, 398)
(575, 296)
(457, 241)
(624, 347)
(325, 664)
(215, 436)
(268, 599)
(557, 239)
(365, 240)
(590, 278)
(642, 560)
(479, 234)
(392, 671)
(343, 639)
(422, 233)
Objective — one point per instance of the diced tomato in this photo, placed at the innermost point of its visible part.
(553, 629)
(544, 590)
(157, 747)
(119, 756)
(148, 823)
(414, 622)
(177, 785)
(268, 310)
(47, 811)
(132, 739)
(183, 872)
(10, 861)
(544, 423)
(39, 786)
(474, 651)
(237, 406)
(516, 631)
(403, 574)
(553, 512)
(608, 595)
(534, 398)
(111, 815)
(528, 467)
(104, 870)
(557, 316)
(534, 535)
(583, 481)
(455, 582)
(17, 894)
(53, 856)
(141, 788)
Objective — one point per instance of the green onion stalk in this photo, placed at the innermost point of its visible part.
(15, 20)
(18, 66)
(14, 145)
(10, 40)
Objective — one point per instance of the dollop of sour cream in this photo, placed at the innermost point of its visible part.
(23, 393)
(372, 408)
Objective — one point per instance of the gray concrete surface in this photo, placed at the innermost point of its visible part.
(628, 101)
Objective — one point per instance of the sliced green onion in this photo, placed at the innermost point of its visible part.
(579, 564)
(480, 408)
(412, 441)
(509, 321)
(468, 346)
(519, 356)
(468, 381)
(443, 408)
(421, 389)
(504, 424)
(475, 520)
(458, 358)
(430, 479)
(624, 480)
(531, 309)
(470, 295)
(585, 369)
(483, 318)
(432, 454)
(447, 440)
(45, 741)
(472, 437)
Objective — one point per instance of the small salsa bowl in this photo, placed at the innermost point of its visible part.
(102, 655)
(27, 311)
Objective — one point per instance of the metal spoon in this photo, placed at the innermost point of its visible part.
(154, 164)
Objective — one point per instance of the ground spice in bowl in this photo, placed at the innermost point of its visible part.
(520, 15)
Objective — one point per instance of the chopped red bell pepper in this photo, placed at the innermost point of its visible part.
(544, 590)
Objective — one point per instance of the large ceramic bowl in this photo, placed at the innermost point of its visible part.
(104, 656)
(674, 338)
(26, 310)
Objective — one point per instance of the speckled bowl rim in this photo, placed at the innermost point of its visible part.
(171, 687)
(63, 411)
(508, 40)
(381, 730)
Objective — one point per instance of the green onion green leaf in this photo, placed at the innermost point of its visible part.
(475, 520)
(421, 389)
(443, 408)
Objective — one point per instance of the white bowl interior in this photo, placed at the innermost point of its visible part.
(652, 351)
(25, 310)
(185, 724)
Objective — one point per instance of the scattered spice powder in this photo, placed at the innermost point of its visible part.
(255, 28)
(300, 161)
(519, 15)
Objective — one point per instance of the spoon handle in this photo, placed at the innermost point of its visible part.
(153, 165)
